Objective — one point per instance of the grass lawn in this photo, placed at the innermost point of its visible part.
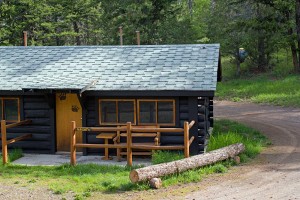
(88, 178)
(262, 89)
(276, 87)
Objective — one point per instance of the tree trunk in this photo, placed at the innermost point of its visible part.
(298, 31)
(57, 39)
(261, 49)
(295, 56)
(238, 67)
(76, 29)
(292, 43)
(155, 171)
(261, 53)
(238, 63)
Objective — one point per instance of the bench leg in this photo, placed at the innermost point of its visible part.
(106, 156)
(119, 158)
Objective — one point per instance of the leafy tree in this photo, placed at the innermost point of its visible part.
(249, 24)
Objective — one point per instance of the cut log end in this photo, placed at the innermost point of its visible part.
(155, 183)
(134, 176)
(237, 159)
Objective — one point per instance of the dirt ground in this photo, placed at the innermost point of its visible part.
(275, 174)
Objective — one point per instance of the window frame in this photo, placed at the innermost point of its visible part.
(2, 108)
(156, 110)
(117, 111)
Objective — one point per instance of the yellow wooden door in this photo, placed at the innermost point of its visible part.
(68, 109)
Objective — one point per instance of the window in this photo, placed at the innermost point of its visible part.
(117, 111)
(9, 109)
(147, 114)
(156, 112)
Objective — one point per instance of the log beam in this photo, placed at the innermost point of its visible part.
(4, 143)
(28, 121)
(23, 137)
(155, 171)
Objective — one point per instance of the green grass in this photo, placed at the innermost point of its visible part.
(227, 132)
(13, 154)
(166, 156)
(85, 179)
(262, 89)
(81, 179)
(276, 87)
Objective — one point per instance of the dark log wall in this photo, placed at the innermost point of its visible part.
(187, 109)
(211, 111)
(42, 128)
(91, 117)
(205, 120)
(41, 110)
(182, 115)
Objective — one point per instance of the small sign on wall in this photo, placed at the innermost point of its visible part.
(62, 96)
(75, 108)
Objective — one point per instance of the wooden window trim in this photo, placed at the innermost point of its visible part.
(2, 108)
(117, 117)
(156, 106)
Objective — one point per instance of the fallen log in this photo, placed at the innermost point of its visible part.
(155, 171)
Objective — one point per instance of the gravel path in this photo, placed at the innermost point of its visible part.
(8, 192)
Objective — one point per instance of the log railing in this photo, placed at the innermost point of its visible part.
(129, 129)
(6, 142)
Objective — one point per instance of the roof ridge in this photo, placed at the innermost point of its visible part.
(110, 46)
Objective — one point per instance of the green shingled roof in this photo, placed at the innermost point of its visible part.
(115, 68)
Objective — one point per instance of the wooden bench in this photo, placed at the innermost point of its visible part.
(129, 145)
(106, 137)
(154, 135)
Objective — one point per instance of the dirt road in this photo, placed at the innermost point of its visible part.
(275, 174)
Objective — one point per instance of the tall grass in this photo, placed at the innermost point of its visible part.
(276, 87)
(166, 156)
(253, 140)
(13, 155)
(262, 89)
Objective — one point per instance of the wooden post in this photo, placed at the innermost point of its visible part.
(121, 35)
(186, 140)
(138, 40)
(118, 149)
(106, 155)
(25, 38)
(4, 142)
(129, 150)
(73, 142)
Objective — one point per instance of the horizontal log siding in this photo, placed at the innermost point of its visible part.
(42, 128)
(186, 110)
(204, 122)
(92, 121)
(211, 112)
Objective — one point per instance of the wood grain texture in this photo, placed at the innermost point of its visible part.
(66, 112)
(155, 171)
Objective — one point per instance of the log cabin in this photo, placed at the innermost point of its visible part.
(96, 86)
